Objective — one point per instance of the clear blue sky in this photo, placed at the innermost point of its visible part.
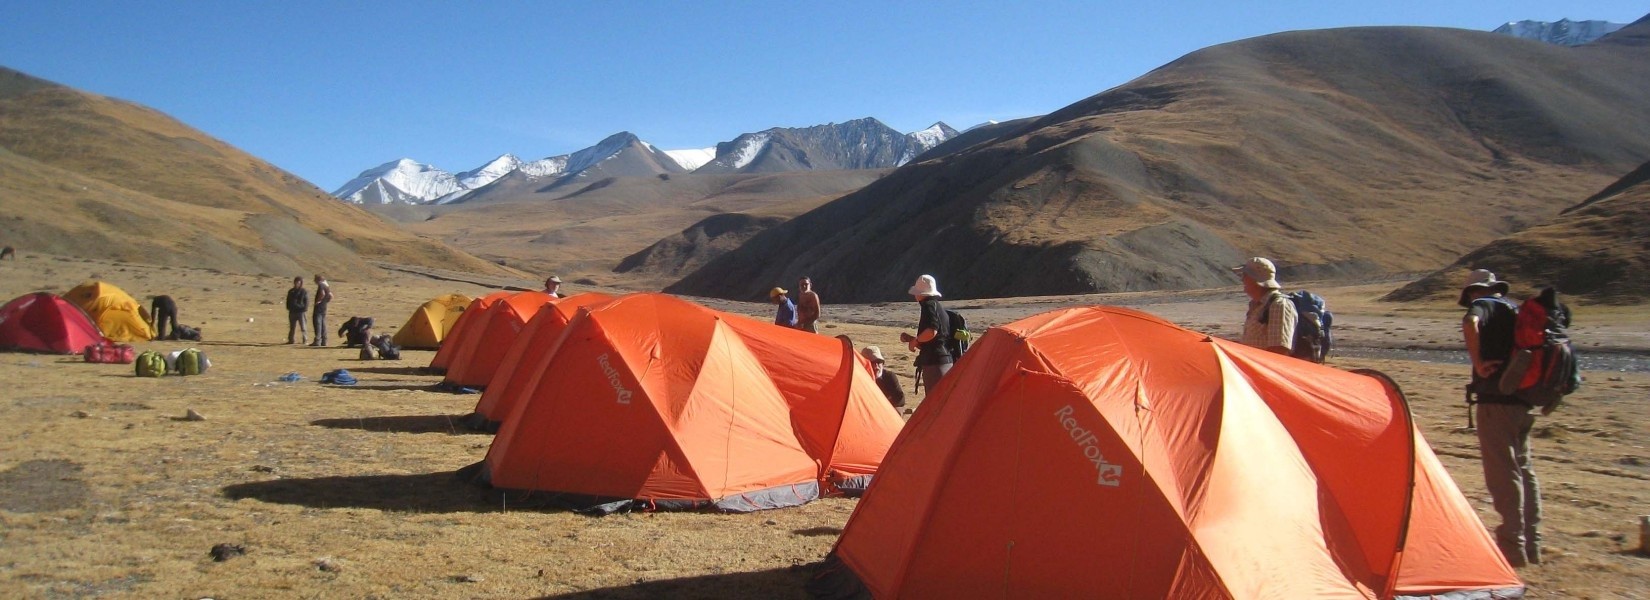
(328, 89)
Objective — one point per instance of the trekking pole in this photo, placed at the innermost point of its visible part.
(916, 380)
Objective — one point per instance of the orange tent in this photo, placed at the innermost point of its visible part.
(651, 401)
(493, 333)
(466, 321)
(526, 359)
(1102, 452)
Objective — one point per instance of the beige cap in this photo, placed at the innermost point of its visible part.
(1261, 270)
(554, 279)
(872, 353)
(1481, 278)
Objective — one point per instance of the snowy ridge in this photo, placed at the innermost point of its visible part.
(750, 149)
(1563, 32)
(397, 181)
(692, 158)
(925, 140)
(489, 172)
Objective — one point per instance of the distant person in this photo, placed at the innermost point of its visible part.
(807, 306)
(933, 330)
(297, 303)
(786, 314)
(886, 381)
(8, 252)
(552, 286)
(163, 316)
(1270, 321)
(1504, 422)
(318, 316)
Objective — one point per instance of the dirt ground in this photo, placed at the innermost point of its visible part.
(348, 492)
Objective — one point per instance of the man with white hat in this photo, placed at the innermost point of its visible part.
(1270, 321)
(886, 381)
(933, 330)
(1504, 422)
(552, 286)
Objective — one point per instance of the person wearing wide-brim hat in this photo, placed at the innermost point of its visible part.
(1503, 422)
(786, 313)
(552, 286)
(886, 381)
(1270, 320)
(933, 330)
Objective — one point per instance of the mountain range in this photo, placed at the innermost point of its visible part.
(1342, 154)
(1563, 32)
(858, 144)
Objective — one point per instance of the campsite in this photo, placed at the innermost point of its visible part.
(351, 491)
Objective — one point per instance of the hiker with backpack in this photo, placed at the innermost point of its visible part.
(1503, 420)
(933, 333)
(1270, 320)
(318, 316)
(297, 303)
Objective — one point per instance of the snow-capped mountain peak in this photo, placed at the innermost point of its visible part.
(692, 158)
(400, 180)
(1563, 32)
(489, 172)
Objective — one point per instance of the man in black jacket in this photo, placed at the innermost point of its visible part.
(1504, 422)
(164, 311)
(297, 303)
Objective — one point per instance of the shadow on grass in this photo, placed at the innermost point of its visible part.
(394, 370)
(417, 387)
(428, 493)
(773, 583)
(448, 424)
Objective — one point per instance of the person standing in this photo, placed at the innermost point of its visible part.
(1504, 422)
(552, 286)
(886, 381)
(318, 316)
(807, 305)
(297, 303)
(164, 313)
(933, 330)
(786, 314)
(1270, 321)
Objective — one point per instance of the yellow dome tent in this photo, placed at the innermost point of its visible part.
(120, 317)
(430, 323)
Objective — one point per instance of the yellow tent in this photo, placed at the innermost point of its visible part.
(120, 317)
(430, 323)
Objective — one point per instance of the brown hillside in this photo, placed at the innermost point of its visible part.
(584, 232)
(92, 176)
(1341, 153)
(1598, 249)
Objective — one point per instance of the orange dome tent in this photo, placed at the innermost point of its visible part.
(466, 322)
(431, 322)
(496, 329)
(656, 402)
(1102, 452)
(42, 322)
(526, 357)
(116, 314)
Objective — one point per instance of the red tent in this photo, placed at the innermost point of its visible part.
(492, 334)
(649, 400)
(526, 358)
(454, 340)
(1102, 452)
(42, 322)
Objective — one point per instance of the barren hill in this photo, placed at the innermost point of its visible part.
(91, 176)
(584, 231)
(1341, 153)
(1598, 249)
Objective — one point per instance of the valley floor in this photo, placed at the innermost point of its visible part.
(105, 490)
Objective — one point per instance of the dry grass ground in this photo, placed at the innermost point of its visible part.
(348, 492)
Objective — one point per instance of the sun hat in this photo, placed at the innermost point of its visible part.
(778, 291)
(1261, 270)
(554, 279)
(873, 354)
(1481, 278)
(925, 286)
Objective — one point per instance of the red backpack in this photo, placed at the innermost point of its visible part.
(1543, 368)
(109, 352)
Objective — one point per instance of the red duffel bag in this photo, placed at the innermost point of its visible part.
(110, 352)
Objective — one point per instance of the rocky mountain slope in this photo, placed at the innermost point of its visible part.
(858, 144)
(1341, 153)
(96, 177)
(1563, 32)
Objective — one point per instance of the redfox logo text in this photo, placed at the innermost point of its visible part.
(1108, 474)
(623, 395)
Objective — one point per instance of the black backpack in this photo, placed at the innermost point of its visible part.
(957, 342)
(185, 332)
(387, 350)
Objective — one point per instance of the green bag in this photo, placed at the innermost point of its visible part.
(150, 364)
(191, 362)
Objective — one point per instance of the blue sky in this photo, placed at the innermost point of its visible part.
(328, 89)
